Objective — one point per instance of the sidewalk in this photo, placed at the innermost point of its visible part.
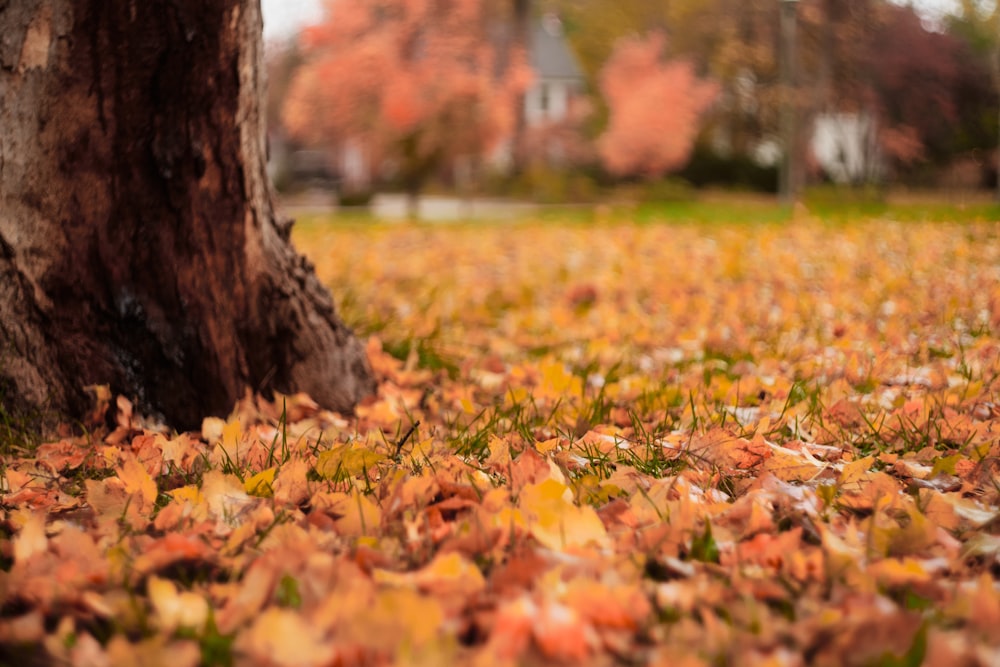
(430, 207)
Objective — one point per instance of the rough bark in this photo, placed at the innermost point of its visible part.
(138, 243)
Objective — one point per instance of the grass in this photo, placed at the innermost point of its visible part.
(19, 428)
(828, 203)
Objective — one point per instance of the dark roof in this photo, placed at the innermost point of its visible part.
(551, 57)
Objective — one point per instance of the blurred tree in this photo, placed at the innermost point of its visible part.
(735, 44)
(281, 61)
(642, 138)
(867, 57)
(417, 83)
(138, 244)
(732, 42)
(595, 26)
(914, 74)
(977, 27)
(923, 88)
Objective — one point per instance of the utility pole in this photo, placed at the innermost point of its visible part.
(789, 178)
(522, 41)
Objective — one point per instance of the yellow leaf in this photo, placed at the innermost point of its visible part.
(902, 531)
(358, 460)
(899, 572)
(545, 493)
(137, 480)
(31, 540)
(284, 638)
(945, 465)
(230, 450)
(190, 493)
(358, 515)
(499, 452)
(447, 573)
(346, 461)
(329, 463)
(405, 615)
(231, 434)
(556, 522)
(855, 471)
(557, 382)
(261, 484)
(174, 609)
(547, 446)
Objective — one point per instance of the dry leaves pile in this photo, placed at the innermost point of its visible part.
(597, 445)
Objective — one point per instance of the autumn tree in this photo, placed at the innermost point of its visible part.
(655, 107)
(924, 90)
(138, 243)
(978, 89)
(414, 83)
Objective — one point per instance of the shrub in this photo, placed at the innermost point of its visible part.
(706, 168)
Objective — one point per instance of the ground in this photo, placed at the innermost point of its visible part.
(611, 440)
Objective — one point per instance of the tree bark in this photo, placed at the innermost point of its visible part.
(138, 243)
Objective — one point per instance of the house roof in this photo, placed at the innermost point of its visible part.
(551, 57)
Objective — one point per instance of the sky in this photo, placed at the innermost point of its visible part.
(283, 17)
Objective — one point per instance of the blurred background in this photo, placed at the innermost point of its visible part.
(577, 101)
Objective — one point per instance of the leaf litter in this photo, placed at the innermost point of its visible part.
(609, 444)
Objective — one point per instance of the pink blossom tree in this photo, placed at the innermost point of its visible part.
(654, 109)
(416, 83)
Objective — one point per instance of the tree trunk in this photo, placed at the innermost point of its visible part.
(522, 42)
(138, 243)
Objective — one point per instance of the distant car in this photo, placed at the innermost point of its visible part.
(311, 169)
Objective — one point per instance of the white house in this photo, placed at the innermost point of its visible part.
(558, 76)
(558, 79)
(845, 146)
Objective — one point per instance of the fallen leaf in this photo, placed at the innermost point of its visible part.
(30, 540)
(556, 522)
(175, 609)
(284, 638)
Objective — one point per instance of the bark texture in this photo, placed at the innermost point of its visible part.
(138, 243)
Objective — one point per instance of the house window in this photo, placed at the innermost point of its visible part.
(543, 100)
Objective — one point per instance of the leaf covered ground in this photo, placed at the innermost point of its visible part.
(608, 444)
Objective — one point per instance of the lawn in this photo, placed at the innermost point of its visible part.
(702, 436)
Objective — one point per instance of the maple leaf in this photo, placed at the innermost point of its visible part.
(553, 519)
(138, 482)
